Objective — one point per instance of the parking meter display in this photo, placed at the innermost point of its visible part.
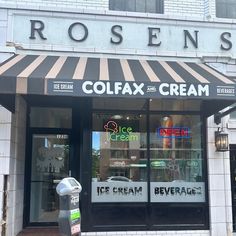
(75, 221)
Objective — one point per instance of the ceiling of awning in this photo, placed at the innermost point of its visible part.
(82, 76)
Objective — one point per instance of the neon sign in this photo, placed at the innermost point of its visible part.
(119, 133)
(173, 132)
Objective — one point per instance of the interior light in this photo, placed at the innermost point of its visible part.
(117, 117)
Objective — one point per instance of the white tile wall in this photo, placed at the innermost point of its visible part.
(4, 148)
(5, 116)
(12, 137)
(5, 164)
(151, 233)
(5, 131)
(219, 187)
(216, 166)
(219, 229)
(217, 182)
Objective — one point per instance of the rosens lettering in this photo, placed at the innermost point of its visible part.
(117, 88)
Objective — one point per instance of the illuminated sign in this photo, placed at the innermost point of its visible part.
(158, 164)
(119, 133)
(173, 132)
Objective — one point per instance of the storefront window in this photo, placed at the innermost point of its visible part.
(153, 6)
(120, 104)
(176, 161)
(226, 8)
(49, 117)
(178, 105)
(119, 152)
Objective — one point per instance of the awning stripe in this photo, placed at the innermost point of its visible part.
(41, 71)
(30, 73)
(104, 74)
(68, 68)
(126, 70)
(216, 74)
(11, 63)
(29, 69)
(92, 69)
(115, 70)
(150, 73)
(21, 85)
(193, 72)
(56, 68)
(80, 68)
(138, 72)
(171, 72)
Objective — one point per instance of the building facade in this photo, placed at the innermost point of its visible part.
(120, 95)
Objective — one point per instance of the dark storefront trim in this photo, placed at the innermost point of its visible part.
(81, 169)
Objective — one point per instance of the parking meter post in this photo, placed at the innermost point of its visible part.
(69, 218)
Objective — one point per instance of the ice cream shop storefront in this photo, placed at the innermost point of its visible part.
(125, 113)
(133, 132)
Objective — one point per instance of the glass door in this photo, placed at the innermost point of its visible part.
(50, 164)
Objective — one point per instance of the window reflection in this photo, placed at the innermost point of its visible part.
(175, 148)
(119, 157)
(176, 161)
(51, 117)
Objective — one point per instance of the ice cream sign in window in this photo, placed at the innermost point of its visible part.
(116, 132)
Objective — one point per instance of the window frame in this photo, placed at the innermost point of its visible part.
(224, 9)
(124, 6)
(157, 214)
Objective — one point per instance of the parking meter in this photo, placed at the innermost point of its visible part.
(69, 218)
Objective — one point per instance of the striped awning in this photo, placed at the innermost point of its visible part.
(82, 76)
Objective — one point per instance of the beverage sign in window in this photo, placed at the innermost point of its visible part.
(176, 159)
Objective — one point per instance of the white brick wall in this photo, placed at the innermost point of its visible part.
(196, 8)
(86, 4)
(185, 8)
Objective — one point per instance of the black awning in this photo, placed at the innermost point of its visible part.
(84, 76)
